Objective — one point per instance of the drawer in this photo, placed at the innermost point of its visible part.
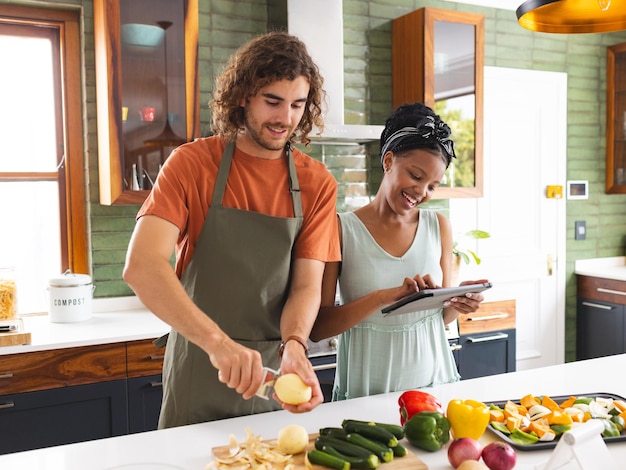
(57, 368)
(144, 358)
(604, 290)
(491, 316)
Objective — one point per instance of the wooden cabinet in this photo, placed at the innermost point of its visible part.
(147, 90)
(144, 358)
(44, 370)
(600, 317)
(616, 119)
(438, 59)
(487, 341)
(77, 394)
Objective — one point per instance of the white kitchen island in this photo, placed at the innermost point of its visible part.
(189, 447)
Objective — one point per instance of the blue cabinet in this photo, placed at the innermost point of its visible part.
(489, 353)
(601, 329)
(62, 415)
(144, 403)
(600, 317)
(487, 342)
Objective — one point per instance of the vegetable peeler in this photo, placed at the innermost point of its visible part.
(266, 390)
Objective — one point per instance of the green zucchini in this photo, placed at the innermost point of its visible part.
(381, 450)
(371, 461)
(342, 446)
(319, 457)
(371, 431)
(339, 433)
(399, 450)
(394, 429)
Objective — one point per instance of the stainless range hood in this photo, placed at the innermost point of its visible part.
(319, 24)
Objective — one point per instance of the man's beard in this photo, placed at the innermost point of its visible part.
(255, 131)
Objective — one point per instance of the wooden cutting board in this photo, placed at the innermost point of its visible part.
(408, 462)
(15, 337)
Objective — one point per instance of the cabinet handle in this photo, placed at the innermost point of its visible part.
(325, 367)
(4, 406)
(456, 347)
(156, 384)
(8, 375)
(602, 307)
(488, 317)
(610, 291)
(157, 358)
(483, 339)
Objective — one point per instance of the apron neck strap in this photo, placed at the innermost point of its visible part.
(294, 185)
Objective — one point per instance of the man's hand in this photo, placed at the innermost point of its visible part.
(238, 367)
(295, 361)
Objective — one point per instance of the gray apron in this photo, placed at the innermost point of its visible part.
(239, 275)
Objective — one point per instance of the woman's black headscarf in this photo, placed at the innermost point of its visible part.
(416, 126)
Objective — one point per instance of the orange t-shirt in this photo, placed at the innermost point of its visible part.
(183, 191)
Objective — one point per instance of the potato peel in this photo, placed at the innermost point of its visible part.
(253, 454)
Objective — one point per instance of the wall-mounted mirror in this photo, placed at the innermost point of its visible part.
(146, 69)
(438, 59)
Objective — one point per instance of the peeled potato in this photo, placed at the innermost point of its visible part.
(292, 439)
(292, 390)
(472, 465)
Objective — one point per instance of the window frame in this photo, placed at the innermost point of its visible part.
(71, 175)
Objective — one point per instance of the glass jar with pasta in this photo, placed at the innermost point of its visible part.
(8, 295)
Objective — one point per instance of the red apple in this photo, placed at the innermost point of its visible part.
(462, 449)
(499, 456)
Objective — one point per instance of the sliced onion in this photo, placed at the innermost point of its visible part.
(538, 411)
(574, 411)
(549, 436)
(605, 402)
(582, 406)
(598, 411)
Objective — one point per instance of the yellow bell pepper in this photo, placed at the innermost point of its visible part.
(468, 418)
(560, 417)
(550, 403)
(496, 415)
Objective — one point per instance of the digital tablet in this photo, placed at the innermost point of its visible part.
(431, 298)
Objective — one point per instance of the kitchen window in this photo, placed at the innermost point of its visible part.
(42, 181)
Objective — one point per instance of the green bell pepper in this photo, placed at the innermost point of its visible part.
(428, 430)
(619, 422)
(523, 438)
(610, 429)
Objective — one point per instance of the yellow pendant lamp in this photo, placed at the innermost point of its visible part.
(573, 16)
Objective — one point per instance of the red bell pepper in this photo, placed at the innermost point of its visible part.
(414, 401)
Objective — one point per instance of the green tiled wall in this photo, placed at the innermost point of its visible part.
(225, 24)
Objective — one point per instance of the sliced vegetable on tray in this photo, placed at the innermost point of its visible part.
(539, 420)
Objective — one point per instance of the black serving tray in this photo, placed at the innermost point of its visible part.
(551, 444)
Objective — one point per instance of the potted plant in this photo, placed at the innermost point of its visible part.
(466, 254)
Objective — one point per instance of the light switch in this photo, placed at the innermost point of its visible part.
(581, 230)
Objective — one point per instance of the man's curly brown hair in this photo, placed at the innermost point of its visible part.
(265, 59)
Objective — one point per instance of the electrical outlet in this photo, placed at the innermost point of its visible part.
(581, 230)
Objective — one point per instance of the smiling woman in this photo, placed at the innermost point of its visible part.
(41, 168)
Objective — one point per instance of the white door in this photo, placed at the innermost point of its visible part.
(525, 151)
